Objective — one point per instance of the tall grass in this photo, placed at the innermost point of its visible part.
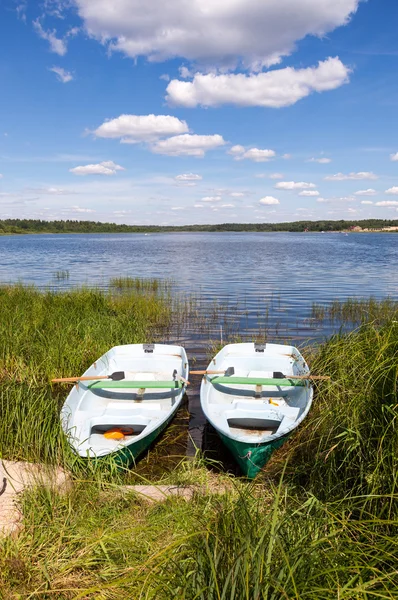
(349, 444)
(321, 523)
(51, 334)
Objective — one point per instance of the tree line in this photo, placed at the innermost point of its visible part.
(21, 226)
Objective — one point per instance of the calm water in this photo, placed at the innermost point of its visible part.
(266, 282)
(274, 277)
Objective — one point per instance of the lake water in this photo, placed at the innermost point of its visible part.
(265, 281)
(272, 276)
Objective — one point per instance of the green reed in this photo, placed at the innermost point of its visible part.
(321, 522)
(142, 285)
(59, 334)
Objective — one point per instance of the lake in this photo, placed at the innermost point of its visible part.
(265, 282)
(266, 278)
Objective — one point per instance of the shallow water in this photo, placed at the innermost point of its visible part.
(265, 283)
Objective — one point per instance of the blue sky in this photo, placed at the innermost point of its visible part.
(144, 112)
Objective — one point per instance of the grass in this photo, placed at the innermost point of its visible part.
(50, 334)
(320, 523)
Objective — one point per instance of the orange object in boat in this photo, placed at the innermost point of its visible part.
(118, 433)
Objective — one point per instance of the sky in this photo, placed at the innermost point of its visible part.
(198, 111)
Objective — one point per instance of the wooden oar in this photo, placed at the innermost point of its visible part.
(311, 377)
(227, 373)
(116, 376)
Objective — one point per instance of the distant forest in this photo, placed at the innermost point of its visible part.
(20, 226)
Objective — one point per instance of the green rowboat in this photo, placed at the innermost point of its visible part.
(122, 418)
(255, 405)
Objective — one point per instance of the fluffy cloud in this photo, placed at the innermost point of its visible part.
(393, 190)
(268, 200)
(309, 193)
(188, 177)
(222, 33)
(276, 176)
(366, 202)
(277, 88)
(211, 199)
(236, 150)
(107, 167)
(62, 75)
(294, 185)
(254, 154)
(227, 205)
(188, 145)
(237, 194)
(321, 161)
(394, 157)
(387, 202)
(345, 177)
(132, 129)
(368, 192)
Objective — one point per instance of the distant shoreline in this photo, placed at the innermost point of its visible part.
(33, 226)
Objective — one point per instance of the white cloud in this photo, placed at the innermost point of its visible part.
(185, 72)
(227, 205)
(267, 200)
(165, 77)
(387, 203)
(211, 199)
(188, 145)
(322, 200)
(1, 176)
(62, 75)
(223, 33)
(104, 168)
(198, 205)
(257, 155)
(366, 202)
(393, 190)
(309, 193)
(275, 176)
(394, 157)
(141, 128)
(177, 208)
(236, 150)
(80, 209)
(294, 185)
(188, 177)
(345, 177)
(368, 192)
(286, 156)
(57, 45)
(51, 191)
(277, 88)
(321, 161)
(237, 194)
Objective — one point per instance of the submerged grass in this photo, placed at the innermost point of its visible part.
(320, 523)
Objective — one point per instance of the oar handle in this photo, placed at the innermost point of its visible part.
(73, 379)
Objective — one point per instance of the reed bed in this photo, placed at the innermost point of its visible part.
(51, 334)
(320, 522)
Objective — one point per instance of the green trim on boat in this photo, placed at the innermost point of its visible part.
(136, 384)
(251, 458)
(258, 381)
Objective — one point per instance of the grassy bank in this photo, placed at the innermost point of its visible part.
(321, 522)
(59, 334)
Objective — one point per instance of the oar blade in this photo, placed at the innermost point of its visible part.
(117, 376)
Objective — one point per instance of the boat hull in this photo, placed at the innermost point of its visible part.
(251, 458)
